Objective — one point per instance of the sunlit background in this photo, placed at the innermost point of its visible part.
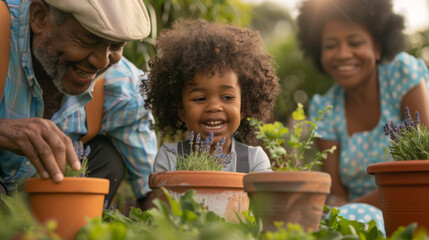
(276, 22)
(416, 12)
(275, 19)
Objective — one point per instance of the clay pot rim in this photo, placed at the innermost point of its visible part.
(398, 166)
(68, 185)
(197, 172)
(205, 179)
(286, 181)
(281, 176)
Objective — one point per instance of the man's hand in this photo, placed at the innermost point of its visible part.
(40, 140)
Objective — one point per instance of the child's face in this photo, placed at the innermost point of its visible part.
(212, 104)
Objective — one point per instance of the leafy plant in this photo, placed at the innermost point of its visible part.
(290, 157)
(82, 154)
(409, 140)
(335, 225)
(200, 158)
(185, 218)
(17, 222)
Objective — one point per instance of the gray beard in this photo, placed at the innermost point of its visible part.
(51, 64)
(55, 68)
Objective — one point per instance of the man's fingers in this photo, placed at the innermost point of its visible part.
(48, 160)
(57, 145)
(71, 156)
(42, 142)
(35, 160)
(62, 148)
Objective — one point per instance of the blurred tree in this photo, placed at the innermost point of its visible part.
(164, 12)
(298, 78)
(418, 45)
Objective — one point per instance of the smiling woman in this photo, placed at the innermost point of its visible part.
(358, 44)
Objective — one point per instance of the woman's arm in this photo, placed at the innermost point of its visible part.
(417, 99)
(338, 194)
(372, 198)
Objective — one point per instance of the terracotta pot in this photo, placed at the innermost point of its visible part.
(404, 192)
(220, 192)
(68, 202)
(290, 197)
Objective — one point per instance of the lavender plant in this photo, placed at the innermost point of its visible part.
(82, 154)
(409, 140)
(291, 156)
(200, 159)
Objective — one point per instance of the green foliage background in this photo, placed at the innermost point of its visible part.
(298, 78)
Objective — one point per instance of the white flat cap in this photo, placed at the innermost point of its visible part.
(115, 20)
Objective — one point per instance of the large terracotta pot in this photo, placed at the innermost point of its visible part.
(68, 202)
(404, 192)
(290, 197)
(220, 192)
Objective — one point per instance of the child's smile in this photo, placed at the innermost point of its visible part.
(212, 125)
(212, 104)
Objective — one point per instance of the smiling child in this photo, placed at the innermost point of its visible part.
(209, 78)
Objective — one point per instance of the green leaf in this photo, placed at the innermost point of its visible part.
(189, 215)
(174, 205)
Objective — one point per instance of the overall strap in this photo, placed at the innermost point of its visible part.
(184, 148)
(242, 150)
(4, 44)
(94, 111)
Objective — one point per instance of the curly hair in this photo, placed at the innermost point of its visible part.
(376, 15)
(197, 46)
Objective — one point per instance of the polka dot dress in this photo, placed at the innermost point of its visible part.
(363, 213)
(396, 78)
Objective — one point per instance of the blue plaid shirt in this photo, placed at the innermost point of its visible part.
(125, 120)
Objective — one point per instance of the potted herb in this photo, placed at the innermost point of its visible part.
(200, 170)
(71, 201)
(292, 193)
(404, 183)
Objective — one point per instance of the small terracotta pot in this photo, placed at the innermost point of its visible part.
(290, 197)
(404, 192)
(220, 192)
(68, 202)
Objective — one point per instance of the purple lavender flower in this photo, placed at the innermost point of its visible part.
(406, 124)
(396, 132)
(200, 150)
(401, 129)
(197, 142)
(191, 139)
(386, 129)
(81, 152)
(392, 136)
(407, 113)
(417, 118)
(224, 159)
(394, 127)
(218, 148)
(171, 150)
(206, 144)
(209, 139)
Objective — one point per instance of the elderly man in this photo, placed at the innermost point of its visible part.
(58, 49)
